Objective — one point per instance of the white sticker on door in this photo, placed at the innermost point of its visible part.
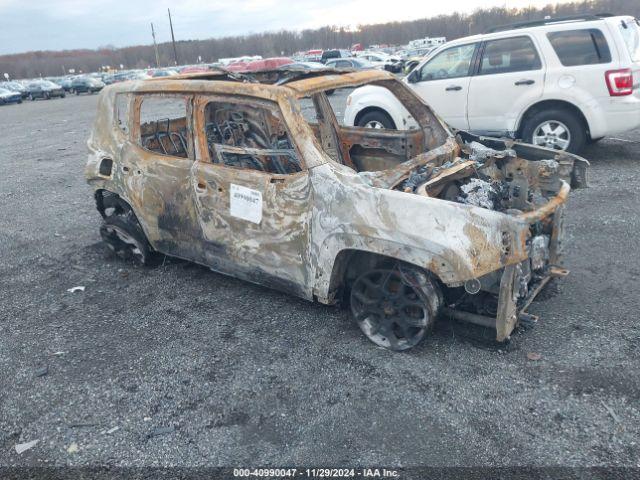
(245, 203)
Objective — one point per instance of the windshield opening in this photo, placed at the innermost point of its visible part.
(372, 139)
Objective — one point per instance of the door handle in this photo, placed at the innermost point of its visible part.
(525, 82)
(453, 88)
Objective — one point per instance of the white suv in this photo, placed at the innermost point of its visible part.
(558, 83)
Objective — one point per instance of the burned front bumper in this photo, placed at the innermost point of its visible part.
(517, 285)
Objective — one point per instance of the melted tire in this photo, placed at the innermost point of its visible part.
(124, 236)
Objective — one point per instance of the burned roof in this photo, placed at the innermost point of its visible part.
(302, 82)
(338, 79)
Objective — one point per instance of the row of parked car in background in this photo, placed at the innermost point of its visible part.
(559, 82)
(381, 57)
(16, 91)
(47, 89)
(51, 87)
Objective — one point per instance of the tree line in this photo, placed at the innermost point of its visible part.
(287, 42)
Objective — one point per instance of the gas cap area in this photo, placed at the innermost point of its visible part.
(566, 81)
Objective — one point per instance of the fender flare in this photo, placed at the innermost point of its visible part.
(378, 101)
(561, 102)
(331, 252)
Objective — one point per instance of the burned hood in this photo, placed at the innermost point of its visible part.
(504, 176)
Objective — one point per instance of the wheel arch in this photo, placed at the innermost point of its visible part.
(551, 104)
(349, 263)
(106, 198)
(103, 196)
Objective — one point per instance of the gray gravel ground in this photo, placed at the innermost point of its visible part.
(249, 376)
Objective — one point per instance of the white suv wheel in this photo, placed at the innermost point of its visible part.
(552, 134)
(376, 119)
(373, 124)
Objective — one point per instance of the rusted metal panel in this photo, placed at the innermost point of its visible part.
(507, 316)
(322, 83)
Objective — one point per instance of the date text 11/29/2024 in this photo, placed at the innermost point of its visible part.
(315, 472)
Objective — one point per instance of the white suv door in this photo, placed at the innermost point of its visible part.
(510, 77)
(443, 82)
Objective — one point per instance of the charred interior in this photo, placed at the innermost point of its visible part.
(247, 136)
(165, 136)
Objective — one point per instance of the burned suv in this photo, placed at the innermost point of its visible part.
(255, 177)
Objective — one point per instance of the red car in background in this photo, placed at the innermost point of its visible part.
(195, 69)
(260, 65)
(237, 66)
(313, 56)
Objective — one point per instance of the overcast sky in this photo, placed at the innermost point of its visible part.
(27, 25)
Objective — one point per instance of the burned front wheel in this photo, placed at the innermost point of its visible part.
(395, 308)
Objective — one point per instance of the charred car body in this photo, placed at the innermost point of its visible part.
(405, 225)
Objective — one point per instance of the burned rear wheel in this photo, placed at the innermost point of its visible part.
(124, 239)
(396, 307)
(123, 234)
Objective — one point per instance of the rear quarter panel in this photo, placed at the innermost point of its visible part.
(581, 85)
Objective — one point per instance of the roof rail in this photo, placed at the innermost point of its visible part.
(547, 21)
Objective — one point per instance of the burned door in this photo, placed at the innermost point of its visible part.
(252, 194)
(157, 165)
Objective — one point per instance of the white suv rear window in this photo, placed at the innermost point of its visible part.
(516, 54)
(631, 34)
(580, 47)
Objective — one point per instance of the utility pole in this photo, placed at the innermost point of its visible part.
(155, 45)
(173, 39)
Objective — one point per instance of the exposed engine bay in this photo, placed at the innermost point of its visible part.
(502, 180)
(487, 178)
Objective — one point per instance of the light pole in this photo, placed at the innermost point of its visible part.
(155, 46)
(173, 39)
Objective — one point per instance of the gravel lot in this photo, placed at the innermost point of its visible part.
(247, 376)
